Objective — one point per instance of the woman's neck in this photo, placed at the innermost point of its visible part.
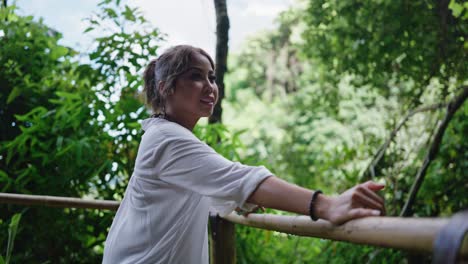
(182, 120)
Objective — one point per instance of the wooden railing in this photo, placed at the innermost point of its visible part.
(444, 237)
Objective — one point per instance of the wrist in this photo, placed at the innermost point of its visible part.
(322, 206)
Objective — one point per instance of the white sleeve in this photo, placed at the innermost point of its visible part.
(189, 163)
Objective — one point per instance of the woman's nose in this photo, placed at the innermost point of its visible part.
(211, 86)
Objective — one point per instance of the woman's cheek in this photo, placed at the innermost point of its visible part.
(216, 92)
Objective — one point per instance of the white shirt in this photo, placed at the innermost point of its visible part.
(177, 180)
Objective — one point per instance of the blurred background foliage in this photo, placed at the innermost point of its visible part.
(313, 100)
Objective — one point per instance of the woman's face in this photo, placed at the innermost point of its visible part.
(195, 92)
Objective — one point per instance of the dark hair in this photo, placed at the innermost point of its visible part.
(167, 68)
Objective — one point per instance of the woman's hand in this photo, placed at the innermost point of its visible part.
(246, 213)
(359, 201)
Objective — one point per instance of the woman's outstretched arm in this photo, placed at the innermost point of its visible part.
(359, 201)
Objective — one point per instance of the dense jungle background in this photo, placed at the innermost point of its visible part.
(338, 93)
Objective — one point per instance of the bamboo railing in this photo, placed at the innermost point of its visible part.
(413, 234)
(56, 201)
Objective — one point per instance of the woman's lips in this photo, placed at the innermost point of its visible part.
(209, 101)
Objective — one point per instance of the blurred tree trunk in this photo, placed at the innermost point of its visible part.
(222, 37)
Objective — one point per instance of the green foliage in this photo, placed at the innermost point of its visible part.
(120, 55)
(311, 100)
(444, 190)
(342, 253)
(71, 128)
(274, 74)
(220, 139)
(459, 10)
(379, 39)
(362, 64)
(12, 229)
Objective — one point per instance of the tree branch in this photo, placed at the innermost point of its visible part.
(369, 172)
(444, 13)
(452, 107)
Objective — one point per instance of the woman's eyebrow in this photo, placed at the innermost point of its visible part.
(200, 69)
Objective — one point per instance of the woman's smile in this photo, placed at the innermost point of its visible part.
(208, 100)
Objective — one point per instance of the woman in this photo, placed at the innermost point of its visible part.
(178, 179)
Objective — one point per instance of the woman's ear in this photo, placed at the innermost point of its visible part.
(161, 87)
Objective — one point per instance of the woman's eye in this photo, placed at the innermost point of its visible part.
(199, 76)
(196, 76)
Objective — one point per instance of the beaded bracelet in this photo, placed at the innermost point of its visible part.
(312, 204)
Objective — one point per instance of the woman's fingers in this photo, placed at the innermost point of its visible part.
(374, 186)
(369, 189)
(371, 194)
(256, 209)
(362, 212)
(374, 196)
(354, 214)
(366, 201)
(359, 201)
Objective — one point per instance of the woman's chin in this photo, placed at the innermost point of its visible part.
(207, 113)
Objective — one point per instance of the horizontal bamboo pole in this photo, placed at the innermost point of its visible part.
(56, 201)
(414, 234)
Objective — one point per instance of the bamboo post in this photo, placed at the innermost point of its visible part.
(222, 240)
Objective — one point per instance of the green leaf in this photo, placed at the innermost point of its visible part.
(13, 94)
(59, 142)
(12, 229)
(128, 14)
(94, 22)
(456, 8)
(104, 2)
(67, 95)
(3, 176)
(110, 12)
(94, 55)
(58, 52)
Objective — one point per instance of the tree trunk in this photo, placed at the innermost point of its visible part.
(222, 37)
